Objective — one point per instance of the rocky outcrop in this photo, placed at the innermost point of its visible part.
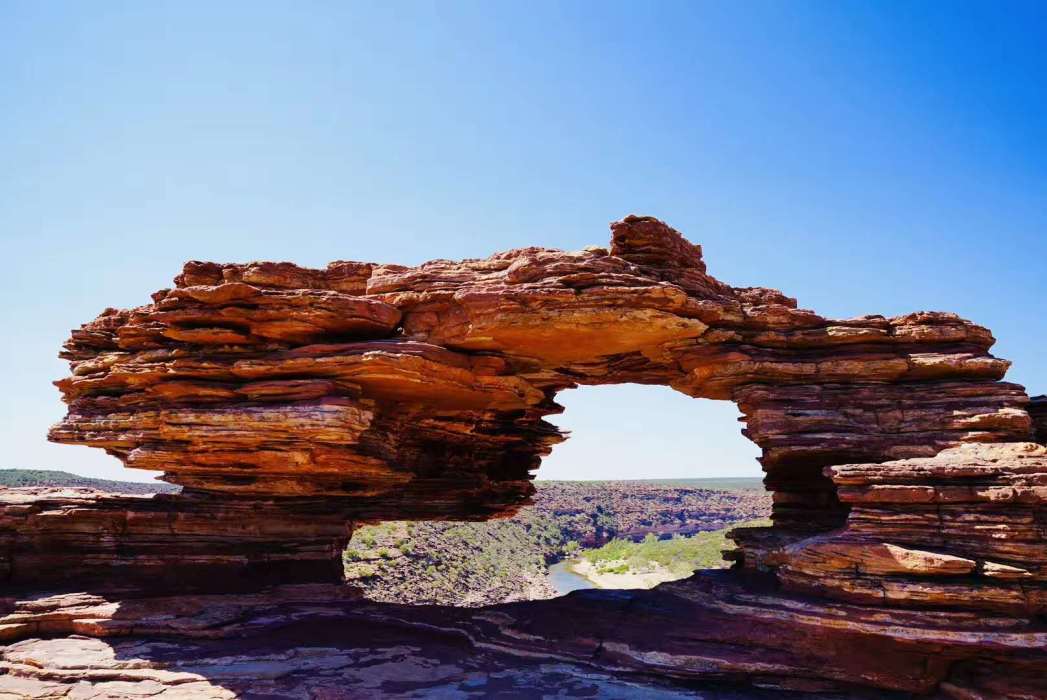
(419, 393)
(963, 530)
(734, 635)
(1038, 411)
(378, 392)
(82, 538)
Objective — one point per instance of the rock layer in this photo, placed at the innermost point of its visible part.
(724, 632)
(1038, 411)
(905, 484)
(77, 538)
(398, 387)
(962, 530)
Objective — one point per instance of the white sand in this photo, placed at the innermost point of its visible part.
(633, 579)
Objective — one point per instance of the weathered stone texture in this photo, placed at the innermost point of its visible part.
(962, 530)
(317, 641)
(1038, 411)
(81, 538)
(287, 401)
(371, 381)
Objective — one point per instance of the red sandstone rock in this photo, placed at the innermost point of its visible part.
(963, 529)
(1038, 411)
(288, 400)
(368, 381)
(85, 539)
(305, 641)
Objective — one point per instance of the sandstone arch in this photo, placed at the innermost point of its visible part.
(289, 402)
(394, 392)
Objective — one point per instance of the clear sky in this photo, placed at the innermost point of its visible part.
(878, 157)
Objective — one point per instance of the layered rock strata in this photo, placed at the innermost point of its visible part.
(907, 480)
(78, 539)
(727, 633)
(420, 393)
(1038, 411)
(963, 530)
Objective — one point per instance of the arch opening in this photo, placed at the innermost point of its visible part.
(642, 491)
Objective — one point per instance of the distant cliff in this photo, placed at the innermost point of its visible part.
(49, 477)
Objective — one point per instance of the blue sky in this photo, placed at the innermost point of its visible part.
(863, 157)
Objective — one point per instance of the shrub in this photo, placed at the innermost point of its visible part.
(681, 555)
(362, 571)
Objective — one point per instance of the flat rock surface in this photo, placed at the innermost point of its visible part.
(299, 642)
(714, 634)
(301, 662)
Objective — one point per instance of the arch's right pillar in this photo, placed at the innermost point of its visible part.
(918, 495)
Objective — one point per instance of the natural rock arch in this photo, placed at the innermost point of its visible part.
(394, 392)
(289, 402)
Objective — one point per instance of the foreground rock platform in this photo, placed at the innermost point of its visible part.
(711, 636)
(291, 404)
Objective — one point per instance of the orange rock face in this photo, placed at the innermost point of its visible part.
(907, 475)
(961, 530)
(391, 392)
(421, 392)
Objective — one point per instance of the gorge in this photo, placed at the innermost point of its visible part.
(907, 552)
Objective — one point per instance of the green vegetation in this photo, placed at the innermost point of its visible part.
(453, 563)
(365, 571)
(740, 483)
(462, 563)
(49, 477)
(680, 555)
(469, 563)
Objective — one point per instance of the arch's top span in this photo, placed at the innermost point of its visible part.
(391, 392)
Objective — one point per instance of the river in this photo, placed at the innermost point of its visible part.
(564, 580)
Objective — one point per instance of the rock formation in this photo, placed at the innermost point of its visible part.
(1038, 411)
(291, 402)
(963, 530)
(79, 538)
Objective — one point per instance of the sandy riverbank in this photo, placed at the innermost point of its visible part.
(648, 578)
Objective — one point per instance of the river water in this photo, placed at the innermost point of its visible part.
(564, 580)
